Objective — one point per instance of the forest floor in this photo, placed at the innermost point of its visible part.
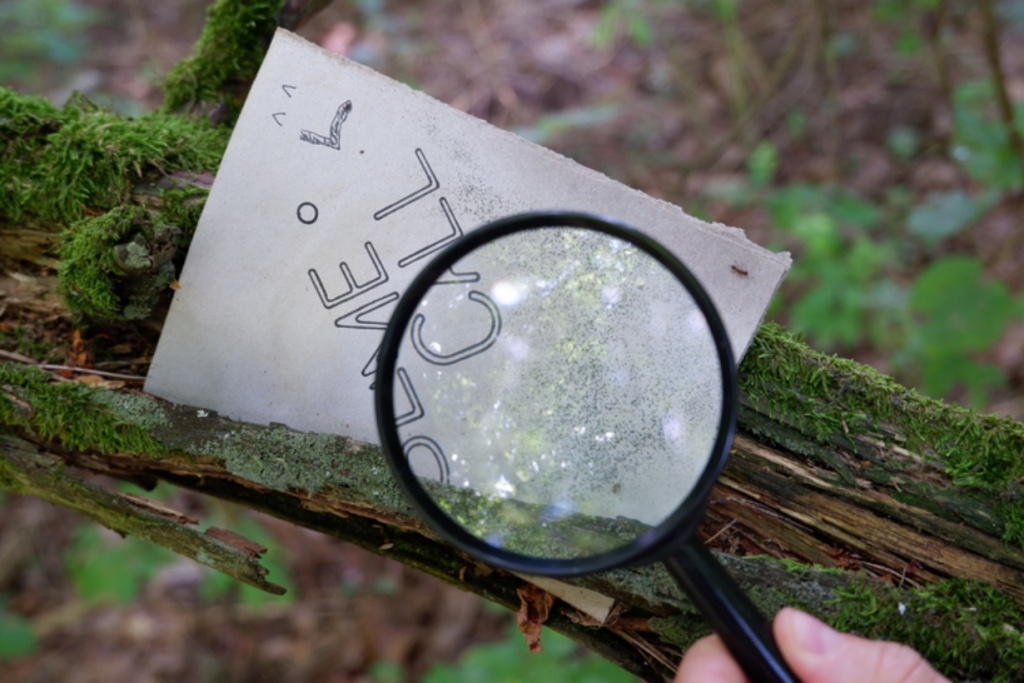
(677, 116)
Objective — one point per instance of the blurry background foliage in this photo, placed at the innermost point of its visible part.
(42, 32)
(879, 141)
(882, 275)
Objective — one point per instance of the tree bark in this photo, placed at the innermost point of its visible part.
(888, 514)
(783, 501)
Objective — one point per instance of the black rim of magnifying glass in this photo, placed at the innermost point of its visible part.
(661, 539)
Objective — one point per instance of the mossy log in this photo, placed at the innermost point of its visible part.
(887, 513)
(788, 500)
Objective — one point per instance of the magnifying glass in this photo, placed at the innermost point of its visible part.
(556, 394)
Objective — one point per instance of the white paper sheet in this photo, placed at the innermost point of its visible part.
(338, 184)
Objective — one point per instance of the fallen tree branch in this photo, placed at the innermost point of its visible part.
(343, 487)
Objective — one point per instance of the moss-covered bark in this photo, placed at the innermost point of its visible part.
(343, 487)
(24, 469)
(856, 422)
(117, 199)
(64, 164)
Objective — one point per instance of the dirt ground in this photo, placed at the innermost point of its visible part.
(672, 118)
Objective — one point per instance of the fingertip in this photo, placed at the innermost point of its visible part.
(708, 661)
(817, 653)
(806, 632)
(808, 645)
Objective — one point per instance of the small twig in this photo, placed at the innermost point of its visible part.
(91, 371)
(720, 531)
(17, 357)
(934, 27)
(995, 64)
(11, 355)
(647, 649)
(776, 92)
(109, 364)
(832, 87)
(881, 569)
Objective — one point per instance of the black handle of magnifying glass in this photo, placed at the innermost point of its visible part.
(739, 624)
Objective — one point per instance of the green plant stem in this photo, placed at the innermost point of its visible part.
(828, 57)
(995, 63)
(936, 24)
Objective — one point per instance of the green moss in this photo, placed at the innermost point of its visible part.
(77, 168)
(182, 206)
(825, 398)
(77, 417)
(965, 629)
(227, 56)
(63, 164)
(117, 265)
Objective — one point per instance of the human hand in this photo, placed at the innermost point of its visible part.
(816, 653)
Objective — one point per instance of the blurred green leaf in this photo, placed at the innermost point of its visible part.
(909, 42)
(17, 635)
(634, 16)
(216, 585)
(900, 10)
(509, 661)
(383, 671)
(550, 125)
(788, 204)
(104, 568)
(640, 30)
(832, 312)
(961, 310)
(796, 123)
(980, 141)
(941, 373)
(727, 11)
(851, 210)
(865, 259)
(41, 31)
(844, 44)
(607, 25)
(762, 163)
(944, 214)
(819, 234)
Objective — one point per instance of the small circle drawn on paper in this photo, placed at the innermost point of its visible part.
(307, 213)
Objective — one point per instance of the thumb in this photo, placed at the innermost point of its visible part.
(819, 654)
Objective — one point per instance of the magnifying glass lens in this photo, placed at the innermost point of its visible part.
(558, 392)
